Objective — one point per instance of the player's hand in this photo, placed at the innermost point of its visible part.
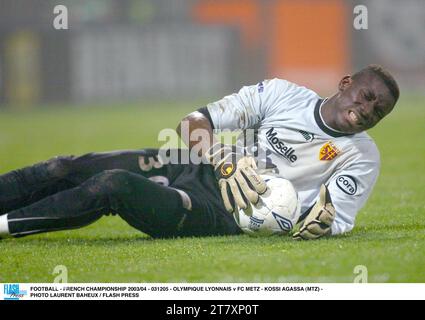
(238, 181)
(319, 221)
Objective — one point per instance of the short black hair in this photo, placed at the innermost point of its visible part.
(384, 75)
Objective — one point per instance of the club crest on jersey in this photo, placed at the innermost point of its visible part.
(328, 151)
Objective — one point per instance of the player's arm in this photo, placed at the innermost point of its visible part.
(238, 111)
(344, 195)
(196, 131)
(239, 183)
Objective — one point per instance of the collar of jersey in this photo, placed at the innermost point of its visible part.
(322, 125)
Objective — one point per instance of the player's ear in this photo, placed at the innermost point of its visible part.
(345, 82)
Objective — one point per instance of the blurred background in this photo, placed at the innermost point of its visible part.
(126, 69)
(130, 50)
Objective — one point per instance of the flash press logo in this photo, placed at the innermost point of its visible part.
(13, 292)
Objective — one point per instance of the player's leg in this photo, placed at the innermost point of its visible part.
(152, 208)
(22, 187)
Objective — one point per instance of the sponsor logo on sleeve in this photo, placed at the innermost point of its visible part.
(347, 184)
(260, 87)
(328, 151)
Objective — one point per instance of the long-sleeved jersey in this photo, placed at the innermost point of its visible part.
(287, 122)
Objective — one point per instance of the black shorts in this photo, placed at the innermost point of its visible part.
(208, 215)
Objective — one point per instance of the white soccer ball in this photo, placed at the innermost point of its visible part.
(276, 213)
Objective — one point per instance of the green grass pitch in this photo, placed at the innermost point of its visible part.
(389, 237)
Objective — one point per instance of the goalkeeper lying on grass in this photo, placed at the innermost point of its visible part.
(308, 140)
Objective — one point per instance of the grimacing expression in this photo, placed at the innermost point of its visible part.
(362, 103)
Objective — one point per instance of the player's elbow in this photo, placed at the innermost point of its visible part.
(195, 126)
(181, 124)
(193, 120)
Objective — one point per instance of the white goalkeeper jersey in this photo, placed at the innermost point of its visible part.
(286, 119)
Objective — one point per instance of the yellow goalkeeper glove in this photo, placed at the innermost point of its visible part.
(318, 222)
(239, 183)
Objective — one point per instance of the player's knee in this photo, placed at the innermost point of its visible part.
(60, 167)
(111, 182)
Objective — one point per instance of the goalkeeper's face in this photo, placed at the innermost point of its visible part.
(361, 103)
